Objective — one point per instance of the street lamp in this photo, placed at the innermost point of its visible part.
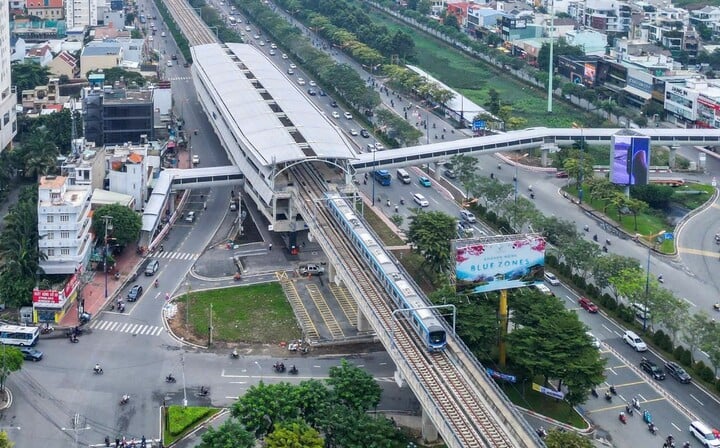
(647, 278)
(108, 226)
(581, 168)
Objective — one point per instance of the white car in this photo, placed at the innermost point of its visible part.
(272, 52)
(335, 114)
(293, 66)
(552, 279)
(370, 147)
(594, 341)
(257, 36)
(312, 84)
(195, 159)
(348, 115)
(543, 289)
(261, 43)
(379, 146)
(301, 81)
(353, 132)
(247, 28)
(169, 63)
(467, 216)
(420, 200)
(273, 46)
(284, 56)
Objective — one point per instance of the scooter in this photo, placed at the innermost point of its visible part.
(74, 339)
(594, 392)
(293, 370)
(628, 410)
(124, 400)
(608, 397)
(234, 354)
(612, 390)
(652, 428)
(622, 418)
(98, 371)
(170, 379)
(204, 391)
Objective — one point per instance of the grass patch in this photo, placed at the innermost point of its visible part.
(386, 235)
(180, 420)
(474, 79)
(692, 196)
(535, 401)
(251, 314)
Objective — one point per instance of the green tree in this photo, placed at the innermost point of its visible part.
(451, 21)
(294, 435)
(493, 102)
(610, 266)
(560, 48)
(555, 230)
(126, 223)
(312, 397)
(667, 310)
(519, 213)
(656, 196)
(566, 439)
(353, 387)
(636, 207)
(466, 168)
(580, 255)
(430, 233)
(578, 167)
(711, 345)
(263, 406)
(343, 427)
(694, 330)
(37, 154)
(116, 74)
(27, 76)
(230, 434)
(11, 360)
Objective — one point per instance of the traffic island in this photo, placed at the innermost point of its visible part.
(179, 421)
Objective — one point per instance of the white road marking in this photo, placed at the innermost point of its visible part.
(238, 382)
(689, 302)
(641, 398)
(676, 427)
(570, 299)
(693, 397)
(232, 398)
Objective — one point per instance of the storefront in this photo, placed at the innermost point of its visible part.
(708, 112)
(50, 305)
(681, 103)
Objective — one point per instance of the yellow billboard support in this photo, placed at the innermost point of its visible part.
(503, 325)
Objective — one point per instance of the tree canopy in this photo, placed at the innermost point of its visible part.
(11, 360)
(126, 223)
(430, 233)
(27, 76)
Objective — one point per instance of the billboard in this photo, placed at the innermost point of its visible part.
(630, 162)
(500, 263)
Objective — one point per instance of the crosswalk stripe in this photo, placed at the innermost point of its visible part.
(129, 328)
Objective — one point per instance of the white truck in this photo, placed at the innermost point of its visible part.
(311, 269)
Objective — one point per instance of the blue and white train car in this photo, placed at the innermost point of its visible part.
(424, 321)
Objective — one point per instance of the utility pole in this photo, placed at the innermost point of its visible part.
(210, 328)
(108, 226)
(187, 304)
(182, 364)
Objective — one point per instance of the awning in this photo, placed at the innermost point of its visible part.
(637, 92)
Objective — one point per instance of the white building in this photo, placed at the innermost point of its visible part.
(63, 225)
(130, 170)
(8, 123)
(81, 13)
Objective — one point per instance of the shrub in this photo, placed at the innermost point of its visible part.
(682, 355)
(658, 337)
(180, 418)
(704, 372)
(610, 303)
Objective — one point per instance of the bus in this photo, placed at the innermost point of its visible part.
(19, 335)
(383, 177)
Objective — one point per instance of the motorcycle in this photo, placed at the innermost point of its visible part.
(293, 370)
(613, 390)
(661, 279)
(124, 400)
(279, 367)
(622, 418)
(636, 403)
(541, 432)
(594, 392)
(98, 370)
(74, 339)
(628, 410)
(170, 379)
(608, 397)
(234, 354)
(204, 391)
(652, 428)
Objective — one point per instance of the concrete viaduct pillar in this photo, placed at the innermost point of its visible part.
(363, 325)
(437, 171)
(429, 432)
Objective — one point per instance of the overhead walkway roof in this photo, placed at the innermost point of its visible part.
(265, 109)
(526, 139)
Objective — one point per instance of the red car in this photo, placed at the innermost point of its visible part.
(588, 305)
(561, 175)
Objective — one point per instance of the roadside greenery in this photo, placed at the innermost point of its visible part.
(11, 360)
(180, 39)
(179, 420)
(27, 76)
(123, 229)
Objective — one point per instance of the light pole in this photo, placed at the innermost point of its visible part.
(581, 168)
(515, 178)
(108, 226)
(550, 67)
(647, 278)
(182, 365)
(372, 179)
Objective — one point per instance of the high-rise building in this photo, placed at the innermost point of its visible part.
(81, 13)
(8, 122)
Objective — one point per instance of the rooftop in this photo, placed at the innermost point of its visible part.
(266, 109)
(103, 49)
(52, 182)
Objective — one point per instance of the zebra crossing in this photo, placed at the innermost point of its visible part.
(125, 327)
(169, 255)
(180, 78)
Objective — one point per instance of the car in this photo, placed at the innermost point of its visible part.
(293, 66)
(587, 304)
(677, 372)
(552, 279)
(190, 217)
(261, 43)
(467, 216)
(370, 147)
(594, 341)
(322, 93)
(290, 71)
(163, 34)
(272, 53)
(247, 28)
(634, 341)
(256, 36)
(379, 146)
(544, 289)
(311, 269)
(151, 267)
(195, 159)
(284, 56)
(348, 115)
(652, 369)
(135, 293)
(464, 230)
(312, 92)
(174, 57)
(334, 104)
(335, 114)
(364, 133)
(420, 200)
(31, 354)
(169, 63)
(561, 174)
(273, 46)
(186, 64)
(424, 181)
(312, 83)
(301, 81)
(450, 174)
(150, 38)
(353, 132)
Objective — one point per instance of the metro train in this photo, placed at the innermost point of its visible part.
(424, 321)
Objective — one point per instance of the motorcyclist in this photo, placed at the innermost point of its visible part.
(156, 283)
(622, 416)
(125, 398)
(97, 368)
(170, 377)
(235, 353)
(293, 369)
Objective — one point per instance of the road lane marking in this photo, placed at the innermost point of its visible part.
(689, 302)
(641, 398)
(570, 299)
(704, 253)
(693, 397)
(238, 382)
(675, 426)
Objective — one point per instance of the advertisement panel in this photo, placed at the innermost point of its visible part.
(491, 264)
(630, 162)
(46, 296)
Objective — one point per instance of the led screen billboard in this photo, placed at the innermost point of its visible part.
(630, 162)
(493, 264)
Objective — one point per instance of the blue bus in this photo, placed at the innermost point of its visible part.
(383, 177)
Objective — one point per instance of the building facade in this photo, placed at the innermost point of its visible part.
(118, 116)
(46, 9)
(8, 120)
(81, 13)
(64, 225)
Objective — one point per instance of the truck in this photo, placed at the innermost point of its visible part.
(311, 269)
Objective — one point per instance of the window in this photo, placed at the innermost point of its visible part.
(64, 251)
(64, 218)
(55, 196)
(50, 235)
(50, 218)
(51, 252)
(65, 235)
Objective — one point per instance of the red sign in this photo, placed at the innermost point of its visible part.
(709, 104)
(46, 296)
(71, 285)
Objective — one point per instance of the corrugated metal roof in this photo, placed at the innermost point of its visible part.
(248, 108)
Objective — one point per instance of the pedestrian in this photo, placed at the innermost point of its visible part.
(205, 206)
(269, 247)
(303, 244)
(117, 442)
(143, 443)
(107, 440)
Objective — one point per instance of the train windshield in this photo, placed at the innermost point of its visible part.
(437, 337)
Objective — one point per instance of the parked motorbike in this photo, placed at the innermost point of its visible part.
(613, 390)
(204, 391)
(279, 367)
(594, 392)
